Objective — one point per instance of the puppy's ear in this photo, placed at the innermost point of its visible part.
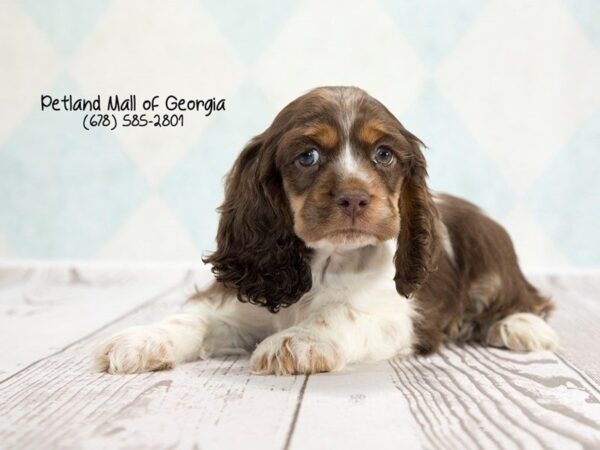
(258, 253)
(418, 241)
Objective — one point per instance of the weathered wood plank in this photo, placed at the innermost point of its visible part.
(44, 309)
(357, 409)
(472, 397)
(577, 297)
(464, 397)
(493, 398)
(61, 403)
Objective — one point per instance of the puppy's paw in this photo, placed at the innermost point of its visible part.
(294, 352)
(134, 350)
(524, 332)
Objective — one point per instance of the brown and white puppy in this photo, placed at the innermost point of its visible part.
(331, 250)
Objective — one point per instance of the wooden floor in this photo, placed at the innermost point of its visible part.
(465, 397)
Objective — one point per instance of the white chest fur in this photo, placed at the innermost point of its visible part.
(354, 293)
(352, 313)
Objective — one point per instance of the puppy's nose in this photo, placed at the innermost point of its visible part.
(353, 202)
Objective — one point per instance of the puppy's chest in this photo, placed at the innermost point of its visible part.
(361, 279)
(340, 287)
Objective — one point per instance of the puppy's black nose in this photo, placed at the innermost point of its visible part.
(352, 201)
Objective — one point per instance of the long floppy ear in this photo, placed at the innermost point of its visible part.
(418, 241)
(258, 253)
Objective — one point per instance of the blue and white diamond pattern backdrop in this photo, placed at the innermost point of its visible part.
(505, 93)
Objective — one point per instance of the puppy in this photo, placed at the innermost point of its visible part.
(331, 250)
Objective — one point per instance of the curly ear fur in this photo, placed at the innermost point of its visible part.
(258, 253)
(418, 242)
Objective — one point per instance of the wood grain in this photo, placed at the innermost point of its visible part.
(493, 398)
(42, 311)
(59, 402)
(576, 318)
(464, 397)
(357, 409)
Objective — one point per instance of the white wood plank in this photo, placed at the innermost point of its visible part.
(356, 409)
(465, 397)
(61, 403)
(502, 399)
(470, 397)
(215, 404)
(11, 275)
(577, 297)
(52, 307)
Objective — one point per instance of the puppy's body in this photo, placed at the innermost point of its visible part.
(340, 254)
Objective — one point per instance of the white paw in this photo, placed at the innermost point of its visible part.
(294, 352)
(522, 332)
(134, 350)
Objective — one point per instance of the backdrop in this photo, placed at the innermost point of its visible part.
(506, 95)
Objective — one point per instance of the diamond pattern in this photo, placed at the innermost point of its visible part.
(325, 44)
(63, 32)
(534, 247)
(587, 13)
(152, 228)
(186, 190)
(184, 58)
(254, 25)
(566, 199)
(433, 26)
(64, 192)
(522, 93)
(26, 69)
(505, 93)
(473, 174)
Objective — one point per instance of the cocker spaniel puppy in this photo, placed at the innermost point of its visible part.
(331, 250)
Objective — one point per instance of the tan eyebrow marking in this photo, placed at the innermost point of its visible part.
(372, 131)
(324, 134)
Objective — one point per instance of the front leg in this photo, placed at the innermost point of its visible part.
(334, 336)
(157, 346)
(204, 328)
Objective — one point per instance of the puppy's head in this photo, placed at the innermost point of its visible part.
(335, 169)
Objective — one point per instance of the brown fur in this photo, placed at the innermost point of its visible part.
(258, 253)
(324, 134)
(273, 207)
(418, 243)
(372, 131)
(448, 301)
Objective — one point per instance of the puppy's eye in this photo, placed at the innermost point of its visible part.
(309, 158)
(383, 156)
